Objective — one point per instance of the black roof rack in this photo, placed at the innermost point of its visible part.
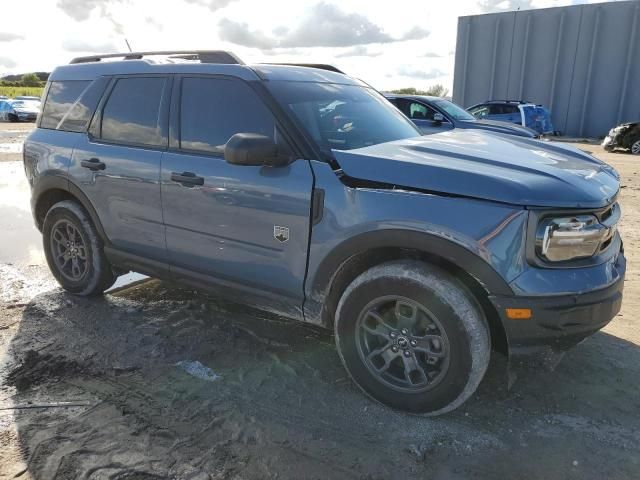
(509, 101)
(204, 56)
(321, 66)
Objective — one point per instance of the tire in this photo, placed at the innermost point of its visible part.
(70, 240)
(635, 146)
(448, 338)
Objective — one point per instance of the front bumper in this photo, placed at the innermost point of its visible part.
(559, 322)
(27, 117)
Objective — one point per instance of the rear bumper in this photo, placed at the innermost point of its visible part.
(559, 322)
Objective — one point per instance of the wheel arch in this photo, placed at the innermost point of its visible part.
(364, 251)
(49, 190)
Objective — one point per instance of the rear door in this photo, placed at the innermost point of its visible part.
(244, 226)
(117, 165)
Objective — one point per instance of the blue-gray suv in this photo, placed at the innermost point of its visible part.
(304, 192)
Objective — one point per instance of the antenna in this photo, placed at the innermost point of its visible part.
(128, 46)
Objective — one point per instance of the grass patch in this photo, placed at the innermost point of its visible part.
(14, 91)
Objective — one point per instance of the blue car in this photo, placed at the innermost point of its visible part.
(303, 191)
(535, 117)
(436, 114)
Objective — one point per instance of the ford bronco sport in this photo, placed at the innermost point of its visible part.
(303, 191)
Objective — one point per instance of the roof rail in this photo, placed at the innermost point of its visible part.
(321, 66)
(204, 56)
(510, 101)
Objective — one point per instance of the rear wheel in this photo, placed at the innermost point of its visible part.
(635, 147)
(412, 337)
(74, 250)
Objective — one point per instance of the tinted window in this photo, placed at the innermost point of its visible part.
(342, 117)
(78, 117)
(453, 110)
(480, 111)
(131, 114)
(61, 97)
(213, 110)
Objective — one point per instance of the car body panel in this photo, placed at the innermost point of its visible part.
(228, 226)
(494, 167)
(126, 194)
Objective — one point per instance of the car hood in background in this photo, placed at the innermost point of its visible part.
(501, 168)
(26, 110)
(501, 127)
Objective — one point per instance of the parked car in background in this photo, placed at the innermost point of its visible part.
(626, 136)
(3, 97)
(536, 117)
(19, 110)
(437, 114)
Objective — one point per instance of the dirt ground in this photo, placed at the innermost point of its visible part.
(97, 389)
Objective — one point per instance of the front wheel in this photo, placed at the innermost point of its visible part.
(635, 147)
(74, 250)
(412, 337)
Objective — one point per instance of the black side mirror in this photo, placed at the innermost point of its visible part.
(251, 149)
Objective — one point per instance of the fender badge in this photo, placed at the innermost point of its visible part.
(281, 233)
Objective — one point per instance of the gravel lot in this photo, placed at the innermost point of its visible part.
(99, 388)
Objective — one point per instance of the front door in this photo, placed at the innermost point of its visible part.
(246, 226)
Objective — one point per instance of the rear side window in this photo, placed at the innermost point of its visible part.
(213, 110)
(60, 99)
(78, 117)
(131, 114)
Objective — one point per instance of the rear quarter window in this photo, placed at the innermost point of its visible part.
(60, 98)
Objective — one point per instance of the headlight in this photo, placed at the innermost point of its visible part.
(568, 238)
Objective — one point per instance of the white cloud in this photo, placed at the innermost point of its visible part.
(358, 51)
(7, 62)
(83, 46)
(10, 37)
(381, 44)
(412, 72)
(212, 5)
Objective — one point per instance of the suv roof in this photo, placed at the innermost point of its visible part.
(194, 62)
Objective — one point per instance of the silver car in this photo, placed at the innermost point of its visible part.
(19, 110)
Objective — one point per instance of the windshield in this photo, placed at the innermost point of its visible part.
(453, 110)
(342, 117)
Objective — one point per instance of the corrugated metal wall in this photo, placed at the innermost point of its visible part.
(582, 61)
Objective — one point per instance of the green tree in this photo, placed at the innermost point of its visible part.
(30, 80)
(437, 90)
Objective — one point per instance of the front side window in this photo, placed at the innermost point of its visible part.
(61, 97)
(131, 114)
(212, 110)
(342, 117)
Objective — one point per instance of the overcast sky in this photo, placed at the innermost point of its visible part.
(388, 44)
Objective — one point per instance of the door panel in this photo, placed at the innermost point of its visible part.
(225, 227)
(125, 194)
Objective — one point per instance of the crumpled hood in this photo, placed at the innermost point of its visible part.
(502, 127)
(502, 168)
